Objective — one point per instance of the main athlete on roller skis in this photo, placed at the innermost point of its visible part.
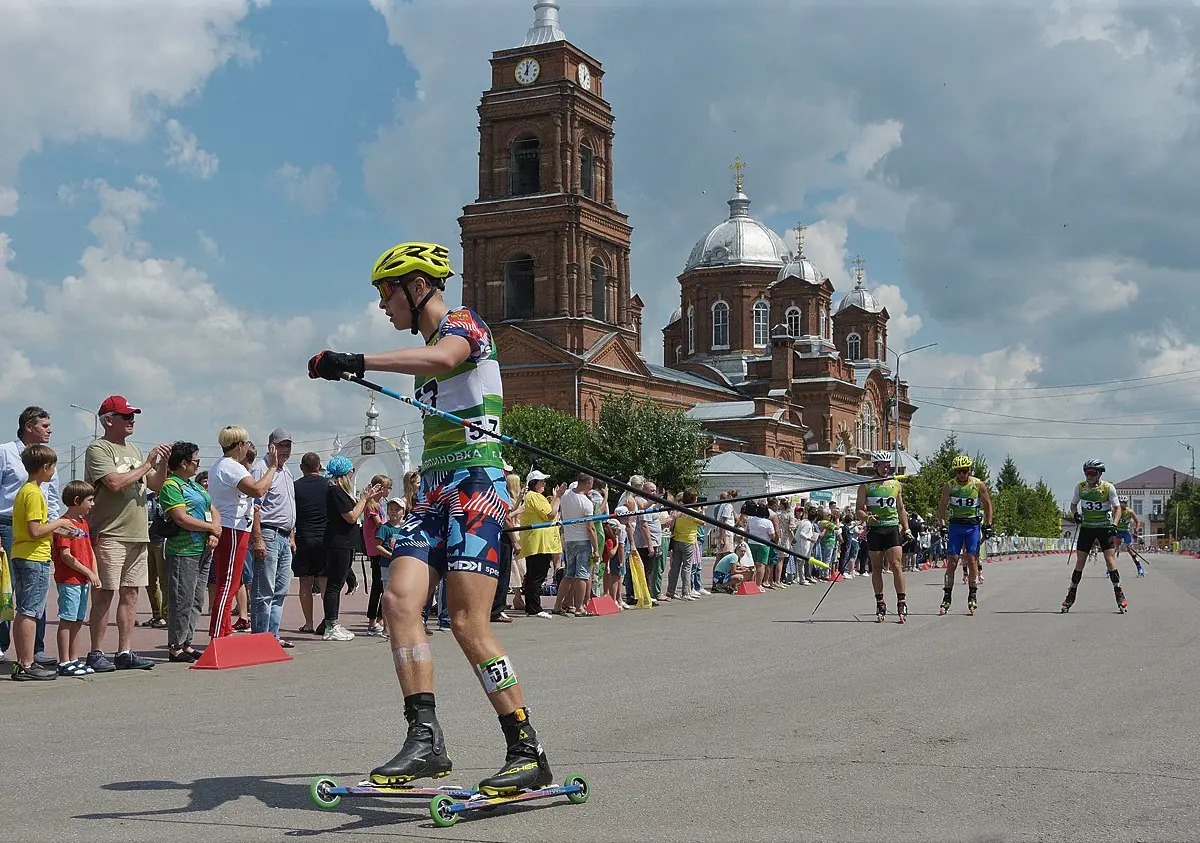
(881, 505)
(1096, 509)
(962, 499)
(453, 530)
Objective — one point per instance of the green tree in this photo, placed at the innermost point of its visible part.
(641, 437)
(1184, 505)
(1042, 515)
(548, 429)
(923, 490)
(1009, 476)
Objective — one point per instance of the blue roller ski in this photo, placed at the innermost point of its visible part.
(446, 809)
(326, 793)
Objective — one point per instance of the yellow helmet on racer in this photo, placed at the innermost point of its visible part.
(962, 463)
(399, 262)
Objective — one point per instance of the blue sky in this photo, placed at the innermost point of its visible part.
(1012, 176)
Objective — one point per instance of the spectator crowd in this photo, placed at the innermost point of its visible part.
(228, 540)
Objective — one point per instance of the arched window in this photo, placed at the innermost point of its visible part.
(793, 321)
(691, 330)
(720, 325)
(526, 166)
(518, 288)
(868, 428)
(853, 347)
(879, 349)
(587, 171)
(762, 312)
(599, 290)
(678, 353)
(824, 319)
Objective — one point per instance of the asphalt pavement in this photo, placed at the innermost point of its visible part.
(727, 718)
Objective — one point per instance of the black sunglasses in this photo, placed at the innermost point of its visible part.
(127, 416)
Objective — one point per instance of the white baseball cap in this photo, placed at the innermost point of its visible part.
(534, 475)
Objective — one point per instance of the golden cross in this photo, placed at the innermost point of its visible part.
(800, 229)
(858, 268)
(738, 166)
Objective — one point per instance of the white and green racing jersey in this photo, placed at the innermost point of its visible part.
(472, 391)
(1096, 503)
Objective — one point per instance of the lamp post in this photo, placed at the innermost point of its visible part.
(896, 403)
(95, 420)
(1191, 451)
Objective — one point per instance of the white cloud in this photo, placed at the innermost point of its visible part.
(210, 247)
(186, 156)
(311, 191)
(125, 67)
(159, 331)
(902, 325)
(9, 200)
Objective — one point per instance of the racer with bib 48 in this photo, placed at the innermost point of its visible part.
(453, 530)
(881, 505)
(1094, 506)
(1125, 527)
(962, 499)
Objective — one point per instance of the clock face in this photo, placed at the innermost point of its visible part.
(585, 77)
(527, 71)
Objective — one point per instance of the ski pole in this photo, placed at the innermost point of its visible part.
(482, 431)
(832, 582)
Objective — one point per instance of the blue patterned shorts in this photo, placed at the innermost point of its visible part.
(456, 521)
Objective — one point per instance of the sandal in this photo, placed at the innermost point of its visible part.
(75, 668)
(306, 630)
(285, 644)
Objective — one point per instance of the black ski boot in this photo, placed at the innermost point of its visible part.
(972, 601)
(880, 608)
(1069, 601)
(946, 594)
(901, 609)
(424, 751)
(525, 765)
(1122, 603)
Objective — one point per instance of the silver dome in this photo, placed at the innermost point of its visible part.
(740, 240)
(798, 266)
(859, 297)
(676, 315)
(545, 29)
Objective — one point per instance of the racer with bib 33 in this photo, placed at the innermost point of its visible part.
(1094, 507)
(881, 505)
(1125, 527)
(453, 529)
(962, 499)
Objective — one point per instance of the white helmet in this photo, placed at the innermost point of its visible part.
(881, 456)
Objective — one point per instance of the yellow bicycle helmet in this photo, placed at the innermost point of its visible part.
(429, 259)
(963, 461)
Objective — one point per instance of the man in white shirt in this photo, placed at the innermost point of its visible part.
(579, 545)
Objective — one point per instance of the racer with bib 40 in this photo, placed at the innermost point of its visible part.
(962, 499)
(1125, 527)
(881, 505)
(1094, 507)
(453, 530)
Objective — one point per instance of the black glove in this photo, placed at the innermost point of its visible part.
(331, 365)
(1078, 518)
(1112, 529)
(987, 531)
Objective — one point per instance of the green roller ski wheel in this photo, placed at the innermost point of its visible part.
(581, 796)
(440, 813)
(318, 792)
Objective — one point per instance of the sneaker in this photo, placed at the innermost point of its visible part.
(543, 614)
(375, 630)
(337, 632)
(34, 671)
(352, 590)
(242, 625)
(130, 660)
(74, 668)
(99, 663)
(157, 623)
(704, 592)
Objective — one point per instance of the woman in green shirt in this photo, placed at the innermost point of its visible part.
(188, 553)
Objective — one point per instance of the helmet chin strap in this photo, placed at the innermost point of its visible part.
(414, 307)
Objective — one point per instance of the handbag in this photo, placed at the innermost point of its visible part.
(162, 527)
(6, 592)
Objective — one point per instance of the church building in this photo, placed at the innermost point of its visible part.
(757, 353)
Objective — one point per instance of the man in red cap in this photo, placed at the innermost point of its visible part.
(120, 528)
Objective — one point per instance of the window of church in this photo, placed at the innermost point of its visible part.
(761, 320)
(824, 319)
(599, 290)
(793, 321)
(587, 171)
(853, 347)
(518, 288)
(880, 354)
(526, 166)
(720, 325)
(691, 330)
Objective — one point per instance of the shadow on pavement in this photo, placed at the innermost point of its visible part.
(207, 796)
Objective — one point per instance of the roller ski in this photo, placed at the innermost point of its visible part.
(972, 603)
(901, 610)
(1141, 572)
(327, 793)
(1122, 603)
(945, 604)
(880, 609)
